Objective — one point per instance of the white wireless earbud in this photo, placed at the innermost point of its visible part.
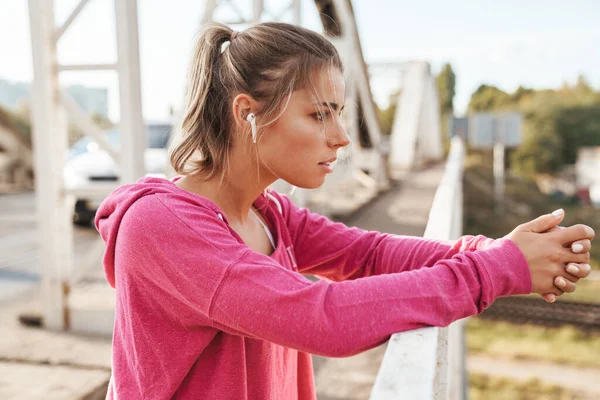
(252, 119)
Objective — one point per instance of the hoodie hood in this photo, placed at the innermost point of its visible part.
(113, 208)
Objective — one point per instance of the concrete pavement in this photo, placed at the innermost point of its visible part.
(38, 364)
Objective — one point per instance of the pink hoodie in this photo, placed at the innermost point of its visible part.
(200, 315)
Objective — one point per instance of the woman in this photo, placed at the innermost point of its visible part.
(208, 268)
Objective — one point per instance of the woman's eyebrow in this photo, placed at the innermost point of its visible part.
(332, 105)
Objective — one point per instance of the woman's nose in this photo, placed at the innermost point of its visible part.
(338, 137)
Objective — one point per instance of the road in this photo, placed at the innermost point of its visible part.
(19, 242)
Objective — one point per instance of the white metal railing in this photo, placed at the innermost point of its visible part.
(428, 363)
(416, 136)
(50, 106)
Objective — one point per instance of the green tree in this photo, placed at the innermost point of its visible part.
(446, 83)
(521, 94)
(540, 150)
(577, 126)
(582, 87)
(557, 123)
(489, 98)
(386, 116)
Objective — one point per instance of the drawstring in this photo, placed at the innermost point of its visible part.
(289, 249)
(266, 228)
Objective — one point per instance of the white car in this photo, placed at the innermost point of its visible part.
(87, 164)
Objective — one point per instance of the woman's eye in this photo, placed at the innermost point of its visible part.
(321, 115)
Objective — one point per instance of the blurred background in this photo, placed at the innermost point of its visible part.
(505, 94)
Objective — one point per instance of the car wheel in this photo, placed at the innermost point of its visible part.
(83, 215)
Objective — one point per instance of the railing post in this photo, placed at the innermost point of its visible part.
(50, 139)
(131, 124)
(458, 383)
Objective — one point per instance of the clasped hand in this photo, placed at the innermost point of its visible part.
(557, 257)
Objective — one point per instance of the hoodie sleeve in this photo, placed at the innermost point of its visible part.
(336, 252)
(188, 263)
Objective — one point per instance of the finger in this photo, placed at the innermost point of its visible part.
(569, 276)
(579, 270)
(574, 233)
(554, 229)
(581, 246)
(567, 256)
(564, 284)
(556, 291)
(549, 297)
(544, 222)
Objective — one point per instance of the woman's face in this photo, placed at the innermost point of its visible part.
(301, 145)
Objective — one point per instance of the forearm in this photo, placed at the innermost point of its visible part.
(336, 252)
(341, 319)
(373, 253)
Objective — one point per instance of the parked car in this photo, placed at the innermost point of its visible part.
(87, 164)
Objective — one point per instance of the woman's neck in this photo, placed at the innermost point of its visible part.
(234, 195)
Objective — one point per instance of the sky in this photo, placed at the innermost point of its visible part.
(534, 43)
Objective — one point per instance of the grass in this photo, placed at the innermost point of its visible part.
(524, 202)
(565, 345)
(484, 387)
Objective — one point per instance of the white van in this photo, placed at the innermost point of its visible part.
(87, 164)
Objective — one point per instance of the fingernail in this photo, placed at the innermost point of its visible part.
(586, 267)
(551, 298)
(558, 213)
(572, 269)
(561, 282)
(577, 247)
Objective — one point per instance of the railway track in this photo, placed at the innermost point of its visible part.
(536, 311)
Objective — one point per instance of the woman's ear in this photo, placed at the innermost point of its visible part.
(242, 105)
